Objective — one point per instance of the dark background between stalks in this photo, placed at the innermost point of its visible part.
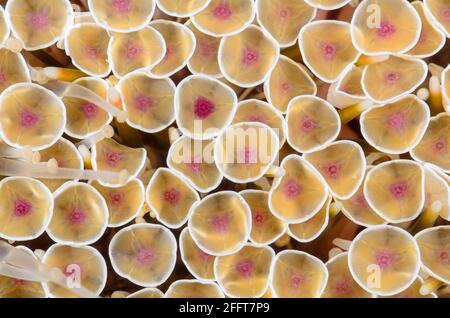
(157, 146)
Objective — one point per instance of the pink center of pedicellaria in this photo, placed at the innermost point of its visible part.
(248, 155)
(28, 119)
(203, 108)
(245, 268)
(296, 281)
(3, 79)
(195, 164)
(112, 158)
(285, 87)
(207, 48)
(292, 189)
(205, 257)
(133, 50)
(332, 170)
(121, 6)
(143, 103)
(220, 223)
(440, 145)
(307, 124)
(392, 77)
(77, 216)
(222, 11)
(116, 197)
(90, 110)
(397, 121)
(344, 286)
(384, 259)
(250, 56)
(72, 270)
(283, 13)
(386, 29)
(169, 52)
(172, 196)
(399, 190)
(361, 201)
(329, 50)
(92, 52)
(444, 257)
(22, 208)
(18, 282)
(259, 217)
(445, 13)
(145, 256)
(257, 118)
(38, 20)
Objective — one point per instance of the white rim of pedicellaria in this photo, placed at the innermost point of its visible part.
(380, 213)
(328, 7)
(341, 255)
(92, 250)
(434, 27)
(50, 209)
(285, 225)
(425, 268)
(110, 117)
(191, 36)
(174, 14)
(145, 290)
(320, 231)
(222, 287)
(301, 69)
(302, 51)
(277, 183)
(70, 21)
(338, 84)
(170, 154)
(125, 107)
(104, 210)
(8, 26)
(416, 158)
(435, 23)
(272, 66)
(204, 283)
(150, 226)
(243, 27)
(189, 64)
(409, 91)
(118, 30)
(375, 228)
(74, 61)
(419, 137)
(350, 215)
(263, 171)
(329, 140)
(312, 257)
(58, 102)
(147, 68)
(249, 221)
(273, 110)
(183, 233)
(218, 131)
(176, 174)
(409, 47)
(444, 90)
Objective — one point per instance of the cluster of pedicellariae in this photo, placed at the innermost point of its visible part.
(100, 99)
